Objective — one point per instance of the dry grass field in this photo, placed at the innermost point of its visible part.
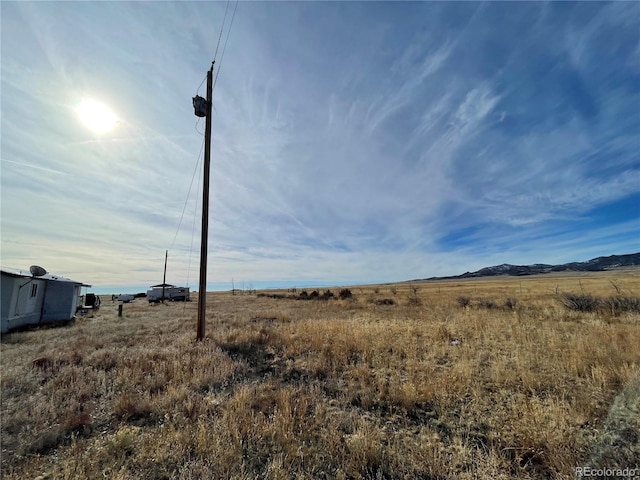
(489, 378)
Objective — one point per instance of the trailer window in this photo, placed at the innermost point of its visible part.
(34, 290)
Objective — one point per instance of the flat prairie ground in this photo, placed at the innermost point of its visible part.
(490, 378)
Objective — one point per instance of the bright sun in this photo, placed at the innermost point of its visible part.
(96, 116)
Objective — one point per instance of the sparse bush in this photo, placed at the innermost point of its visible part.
(376, 290)
(464, 301)
(327, 295)
(487, 303)
(588, 303)
(130, 409)
(45, 442)
(617, 305)
(385, 301)
(277, 296)
(414, 301)
(315, 295)
(510, 303)
(76, 422)
(580, 302)
(394, 290)
(44, 363)
(122, 443)
(345, 293)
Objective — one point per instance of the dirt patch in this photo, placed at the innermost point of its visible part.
(619, 443)
(264, 363)
(259, 359)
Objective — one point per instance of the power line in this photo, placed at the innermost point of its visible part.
(193, 230)
(198, 89)
(224, 48)
(188, 194)
(196, 128)
(203, 142)
(215, 55)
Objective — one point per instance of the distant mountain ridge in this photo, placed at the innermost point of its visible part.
(598, 264)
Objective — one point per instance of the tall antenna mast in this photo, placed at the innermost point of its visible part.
(202, 108)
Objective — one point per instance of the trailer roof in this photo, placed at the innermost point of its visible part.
(14, 272)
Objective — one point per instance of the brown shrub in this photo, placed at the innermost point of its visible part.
(132, 409)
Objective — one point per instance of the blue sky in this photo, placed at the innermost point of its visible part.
(352, 142)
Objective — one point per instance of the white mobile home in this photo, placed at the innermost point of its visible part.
(165, 291)
(29, 299)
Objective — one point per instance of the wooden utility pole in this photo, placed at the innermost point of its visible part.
(203, 109)
(164, 277)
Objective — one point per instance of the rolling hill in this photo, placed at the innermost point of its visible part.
(598, 264)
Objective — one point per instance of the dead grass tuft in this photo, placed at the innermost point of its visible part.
(133, 409)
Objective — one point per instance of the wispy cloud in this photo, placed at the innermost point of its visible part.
(353, 142)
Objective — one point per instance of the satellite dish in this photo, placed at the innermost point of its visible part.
(37, 271)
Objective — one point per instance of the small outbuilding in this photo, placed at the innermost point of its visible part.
(37, 297)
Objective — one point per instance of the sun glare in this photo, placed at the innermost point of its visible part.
(96, 116)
